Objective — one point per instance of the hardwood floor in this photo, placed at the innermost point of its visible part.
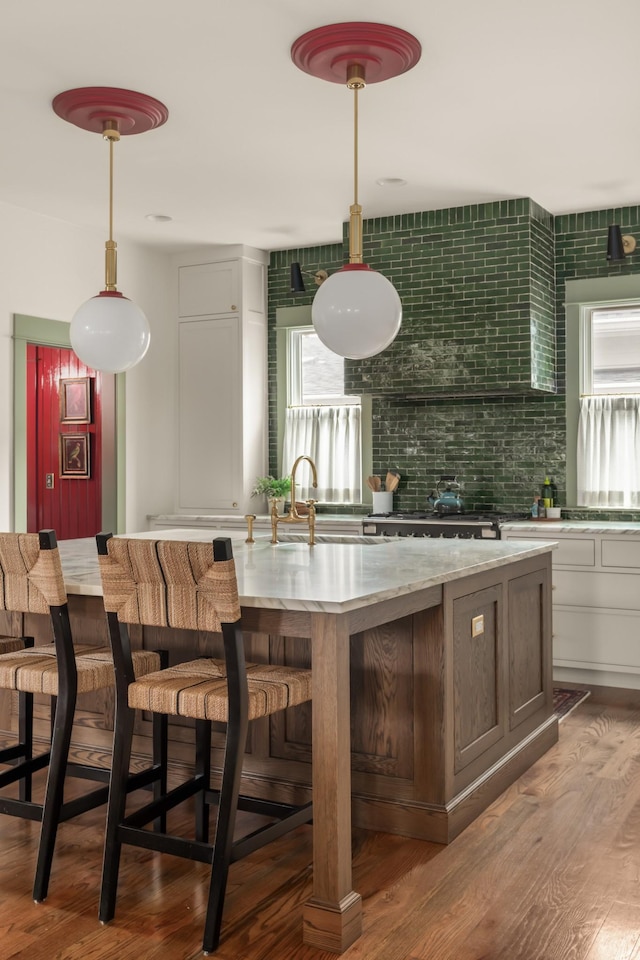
(550, 871)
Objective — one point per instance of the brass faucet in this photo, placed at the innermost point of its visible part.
(293, 516)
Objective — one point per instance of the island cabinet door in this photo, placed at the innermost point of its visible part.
(477, 673)
(529, 628)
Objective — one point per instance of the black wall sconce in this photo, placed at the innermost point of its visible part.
(297, 281)
(619, 246)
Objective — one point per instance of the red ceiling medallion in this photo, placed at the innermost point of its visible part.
(382, 51)
(91, 107)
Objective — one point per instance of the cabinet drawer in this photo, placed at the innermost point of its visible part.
(575, 552)
(621, 553)
(612, 591)
(572, 552)
(597, 638)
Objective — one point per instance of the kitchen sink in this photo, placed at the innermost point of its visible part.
(332, 538)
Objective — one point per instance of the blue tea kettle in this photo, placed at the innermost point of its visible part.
(449, 499)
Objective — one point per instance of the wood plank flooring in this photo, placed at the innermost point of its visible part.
(550, 871)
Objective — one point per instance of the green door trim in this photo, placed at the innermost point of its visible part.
(55, 333)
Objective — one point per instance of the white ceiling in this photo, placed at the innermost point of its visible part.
(508, 100)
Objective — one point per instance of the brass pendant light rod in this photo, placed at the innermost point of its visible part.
(355, 82)
(112, 134)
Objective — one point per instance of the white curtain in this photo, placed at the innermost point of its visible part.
(331, 437)
(609, 451)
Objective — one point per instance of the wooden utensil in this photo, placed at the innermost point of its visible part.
(373, 483)
(392, 480)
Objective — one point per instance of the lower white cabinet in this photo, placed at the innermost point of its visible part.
(596, 602)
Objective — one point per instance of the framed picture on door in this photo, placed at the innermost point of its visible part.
(74, 456)
(75, 400)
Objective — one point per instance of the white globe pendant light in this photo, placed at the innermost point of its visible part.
(357, 311)
(109, 332)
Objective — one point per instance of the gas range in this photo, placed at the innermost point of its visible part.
(460, 526)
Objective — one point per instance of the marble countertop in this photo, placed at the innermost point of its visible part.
(334, 576)
(552, 527)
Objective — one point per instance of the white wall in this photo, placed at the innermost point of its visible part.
(47, 269)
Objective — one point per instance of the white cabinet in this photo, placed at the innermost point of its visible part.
(209, 414)
(596, 603)
(210, 288)
(222, 384)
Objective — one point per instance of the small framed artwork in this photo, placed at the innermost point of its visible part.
(75, 400)
(74, 456)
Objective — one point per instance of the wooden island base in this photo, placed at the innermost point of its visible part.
(441, 721)
(445, 693)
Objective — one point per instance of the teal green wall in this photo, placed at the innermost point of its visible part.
(487, 267)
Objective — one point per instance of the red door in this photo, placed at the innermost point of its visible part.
(64, 443)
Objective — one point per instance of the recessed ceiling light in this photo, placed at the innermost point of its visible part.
(158, 217)
(391, 182)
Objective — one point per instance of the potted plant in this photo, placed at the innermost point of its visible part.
(274, 488)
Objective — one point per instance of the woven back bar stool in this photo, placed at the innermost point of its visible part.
(31, 581)
(190, 586)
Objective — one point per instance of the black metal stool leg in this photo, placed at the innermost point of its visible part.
(160, 736)
(225, 824)
(25, 732)
(115, 811)
(25, 738)
(54, 793)
(203, 770)
(160, 733)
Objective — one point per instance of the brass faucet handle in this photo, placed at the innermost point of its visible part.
(250, 517)
(273, 511)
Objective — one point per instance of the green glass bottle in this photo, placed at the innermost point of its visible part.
(547, 493)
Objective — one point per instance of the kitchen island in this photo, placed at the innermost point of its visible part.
(431, 685)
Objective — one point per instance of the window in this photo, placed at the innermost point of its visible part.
(608, 447)
(315, 373)
(611, 350)
(321, 420)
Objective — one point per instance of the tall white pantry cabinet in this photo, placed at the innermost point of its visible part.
(222, 380)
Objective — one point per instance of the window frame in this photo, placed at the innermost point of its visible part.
(581, 297)
(295, 339)
(587, 386)
(287, 317)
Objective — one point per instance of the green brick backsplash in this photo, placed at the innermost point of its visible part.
(468, 265)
